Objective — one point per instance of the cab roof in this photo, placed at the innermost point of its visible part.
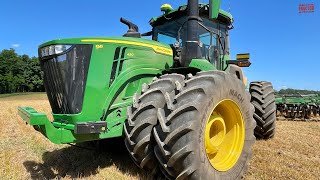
(224, 17)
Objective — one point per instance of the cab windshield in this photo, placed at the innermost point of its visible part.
(176, 31)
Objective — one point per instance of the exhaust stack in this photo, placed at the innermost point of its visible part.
(192, 48)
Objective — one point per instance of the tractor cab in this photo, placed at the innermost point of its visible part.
(171, 28)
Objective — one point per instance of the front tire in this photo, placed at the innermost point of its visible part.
(208, 131)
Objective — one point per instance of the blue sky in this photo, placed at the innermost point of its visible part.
(284, 45)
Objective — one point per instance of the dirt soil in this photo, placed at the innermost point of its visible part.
(294, 153)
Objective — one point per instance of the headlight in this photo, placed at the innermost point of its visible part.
(53, 49)
(61, 48)
(46, 51)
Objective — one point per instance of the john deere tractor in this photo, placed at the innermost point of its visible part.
(178, 100)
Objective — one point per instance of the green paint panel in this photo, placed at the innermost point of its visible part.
(214, 9)
(202, 64)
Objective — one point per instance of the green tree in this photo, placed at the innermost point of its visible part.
(19, 73)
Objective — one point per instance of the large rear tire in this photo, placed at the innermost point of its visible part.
(207, 133)
(263, 99)
(142, 117)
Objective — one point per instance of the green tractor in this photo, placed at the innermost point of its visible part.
(178, 100)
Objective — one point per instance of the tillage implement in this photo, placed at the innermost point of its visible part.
(294, 106)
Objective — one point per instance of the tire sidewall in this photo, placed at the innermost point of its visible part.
(235, 91)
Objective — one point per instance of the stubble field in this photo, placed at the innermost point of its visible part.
(294, 153)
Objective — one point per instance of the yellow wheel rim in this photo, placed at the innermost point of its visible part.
(224, 135)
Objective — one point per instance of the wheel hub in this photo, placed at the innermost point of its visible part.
(215, 133)
(224, 135)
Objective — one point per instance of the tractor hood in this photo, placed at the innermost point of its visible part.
(65, 63)
(156, 46)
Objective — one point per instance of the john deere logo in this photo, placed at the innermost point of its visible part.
(130, 54)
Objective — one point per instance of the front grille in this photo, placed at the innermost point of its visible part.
(65, 78)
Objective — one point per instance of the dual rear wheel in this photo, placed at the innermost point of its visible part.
(198, 127)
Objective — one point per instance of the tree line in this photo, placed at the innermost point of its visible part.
(19, 73)
(296, 91)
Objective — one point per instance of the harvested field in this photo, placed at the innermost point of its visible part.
(294, 153)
